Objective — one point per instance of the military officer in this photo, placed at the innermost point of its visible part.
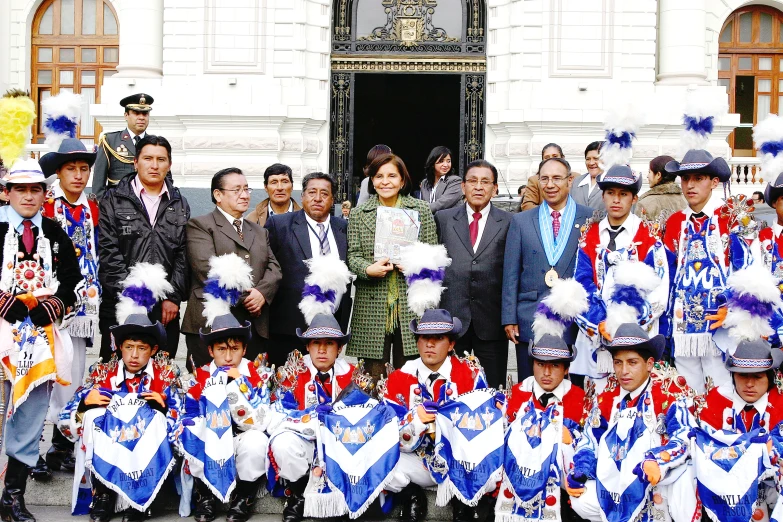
(117, 149)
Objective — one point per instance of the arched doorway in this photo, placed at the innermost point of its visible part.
(750, 66)
(410, 74)
(75, 45)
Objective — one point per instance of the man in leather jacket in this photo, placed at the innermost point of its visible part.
(143, 218)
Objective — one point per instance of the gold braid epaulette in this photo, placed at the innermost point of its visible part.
(102, 143)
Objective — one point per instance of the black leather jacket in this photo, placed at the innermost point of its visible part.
(127, 237)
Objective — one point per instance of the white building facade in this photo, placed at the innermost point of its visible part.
(315, 83)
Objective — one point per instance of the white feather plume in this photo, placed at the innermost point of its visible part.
(231, 273)
(567, 300)
(702, 104)
(153, 277)
(65, 104)
(756, 281)
(768, 131)
(423, 294)
(329, 273)
(621, 118)
(638, 275)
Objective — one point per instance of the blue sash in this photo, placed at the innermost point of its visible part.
(554, 247)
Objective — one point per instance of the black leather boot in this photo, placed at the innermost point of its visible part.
(294, 503)
(206, 503)
(41, 471)
(133, 515)
(102, 508)
(414, 504)
(241, 506)
(12, 508)
(60, 455)
(461, 512)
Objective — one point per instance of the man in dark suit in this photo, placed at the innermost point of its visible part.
(225, 231)
(295, 237)
(475, 236)
(540, 249)
(117, 149)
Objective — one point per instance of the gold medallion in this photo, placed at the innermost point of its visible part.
(551, 278)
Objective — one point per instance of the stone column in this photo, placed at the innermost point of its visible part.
(682, 28)
(141, 38)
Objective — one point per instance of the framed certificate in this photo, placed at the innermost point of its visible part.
(394, 229)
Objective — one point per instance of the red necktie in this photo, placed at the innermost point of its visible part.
(133, 384)
(474, 228)
(555, 222)
(27, 236)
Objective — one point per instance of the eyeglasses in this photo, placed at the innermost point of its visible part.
(473, 182)
(557, 180)
(227, 349)
(238, 191)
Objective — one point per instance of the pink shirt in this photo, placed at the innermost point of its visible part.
(150, 202)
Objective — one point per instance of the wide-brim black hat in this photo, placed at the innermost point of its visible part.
(437, 322)
(224, 327)
(620, 176)
(698, 161)
(631, 336)
(754, 357)
(138, 324)
(324, 326)
(551, 348)
(70, 149)
(774, 190)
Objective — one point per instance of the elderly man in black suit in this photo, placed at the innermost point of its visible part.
(296, 237)
(475, 236)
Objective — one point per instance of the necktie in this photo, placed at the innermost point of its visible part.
(612, 246)
(27, 236)
(325, 248)
(435, 384)
(555, 222)
(136, 141)
(238, 226)
(474, 228)
(748, 407)
(133, 384)
(698, 220)
(628, 400)
(545, 398)
(325, 379)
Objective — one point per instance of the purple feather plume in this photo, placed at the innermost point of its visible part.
(547, 312)
(623, 140)
(61, 125)
(772, 147)
(751, 304)
(629, 295)
(427, 274)
(703, 126)
(231, 295)
(320, 296)
(140, 295)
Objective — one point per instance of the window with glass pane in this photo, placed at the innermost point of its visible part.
(44, 55)
(44, 77)
(47, 21)
(88, 78)
(89, 16)
(780, 105)
(67, 16)
(724, 64)
(765, 64)
(745, 63)
(763, 107)
(765, 85)
(745, 27)
(109, 21)
(726, 35)
(89, 55)
(724, 83)
(67, 55)
(111, 54)
(88, 97)
(765, 28)
(66, 77)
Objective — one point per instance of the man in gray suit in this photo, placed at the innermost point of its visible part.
(585, 189)
(225, 231)
(475, 236)
(117, 149)
(541, 248)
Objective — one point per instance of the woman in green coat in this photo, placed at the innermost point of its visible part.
(379, 326)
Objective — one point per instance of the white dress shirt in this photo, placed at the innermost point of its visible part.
(558, 392)
(231, 219)
(423, 373)
(315, 242)
(481, 224)
(777, 229)
(624, 238)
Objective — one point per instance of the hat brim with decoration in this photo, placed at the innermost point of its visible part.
(755, 356)
(71, 149)
(138, 102)
(138, 324)
(700, 162)
(620, 176)
(551, 348)
(26, 171)
(225, 327)
(631, 336)
(323, 326)
(437, 322)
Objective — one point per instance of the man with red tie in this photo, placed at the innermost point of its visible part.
(474, 235)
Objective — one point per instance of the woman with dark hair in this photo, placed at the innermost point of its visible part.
(379, 326)
(532, 195)
(374, 152)
(665, 194)
(441, 187)
(585, 189)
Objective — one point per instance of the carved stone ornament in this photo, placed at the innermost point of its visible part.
(409, 22)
